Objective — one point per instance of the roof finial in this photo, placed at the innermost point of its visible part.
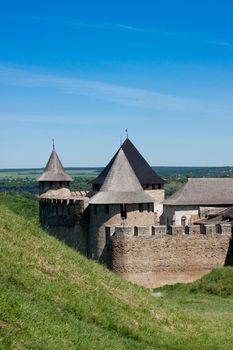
(127, 135)
(53, 145)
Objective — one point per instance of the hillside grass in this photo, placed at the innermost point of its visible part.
(54, 298)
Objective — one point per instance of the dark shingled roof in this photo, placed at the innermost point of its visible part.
(121, 185)
(54, 170)
(204, 191)
(143, 171)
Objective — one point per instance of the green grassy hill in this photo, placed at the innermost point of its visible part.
(53, 298)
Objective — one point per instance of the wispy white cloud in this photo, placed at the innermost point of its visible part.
(140, 98)
(176, 34)
(124, 27)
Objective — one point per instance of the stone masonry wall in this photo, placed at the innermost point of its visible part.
(65, 220)
(99, 218)
(153, 258)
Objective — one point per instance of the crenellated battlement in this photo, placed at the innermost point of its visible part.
(162, 230)
(157, 255)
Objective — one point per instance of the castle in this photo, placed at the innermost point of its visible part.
(119, 223)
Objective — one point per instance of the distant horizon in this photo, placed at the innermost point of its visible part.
(102, 167)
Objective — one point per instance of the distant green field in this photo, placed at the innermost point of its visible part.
(34, 173)
(25, 180)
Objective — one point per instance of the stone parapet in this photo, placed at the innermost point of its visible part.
(161, 259)
(224, 229)
(192, 230)
(175, 230)
(162, 230)
(209, 229)
(159, 230)
(142, 231)
(124, 231)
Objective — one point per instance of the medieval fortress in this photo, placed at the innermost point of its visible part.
(126, 223)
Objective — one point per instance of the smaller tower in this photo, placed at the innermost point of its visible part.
(54, 175)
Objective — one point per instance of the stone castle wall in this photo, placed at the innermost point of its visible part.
(135, 248)
(65, 220)
(100, 216)
(152, 257)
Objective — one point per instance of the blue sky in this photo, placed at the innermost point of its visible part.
(83, 72)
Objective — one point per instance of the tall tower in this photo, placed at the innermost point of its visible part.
(54, 175)
(121, 200)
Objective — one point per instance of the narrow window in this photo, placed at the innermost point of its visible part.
(60, 184)
(153, 186)
(51, 184)
(106, 209)
(123, 212)
(141, 207)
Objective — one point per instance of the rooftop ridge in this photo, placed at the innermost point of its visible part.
(121, 185)
(203, 191)
(143, 171)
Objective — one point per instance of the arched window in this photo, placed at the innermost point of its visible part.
(183, 221)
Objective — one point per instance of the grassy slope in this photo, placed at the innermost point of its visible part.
(53, 298)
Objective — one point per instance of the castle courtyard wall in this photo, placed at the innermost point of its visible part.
(159, 259)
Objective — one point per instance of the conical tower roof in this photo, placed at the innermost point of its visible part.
(145, 174)
(54, 170)
(121, 185)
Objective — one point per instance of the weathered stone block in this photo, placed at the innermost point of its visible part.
(143, 231)
(225, 229)
(123, 231)
(159, 230)
(192, 230)
(175, 230)
(210, 229)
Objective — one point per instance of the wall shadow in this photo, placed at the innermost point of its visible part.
(229, 256)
